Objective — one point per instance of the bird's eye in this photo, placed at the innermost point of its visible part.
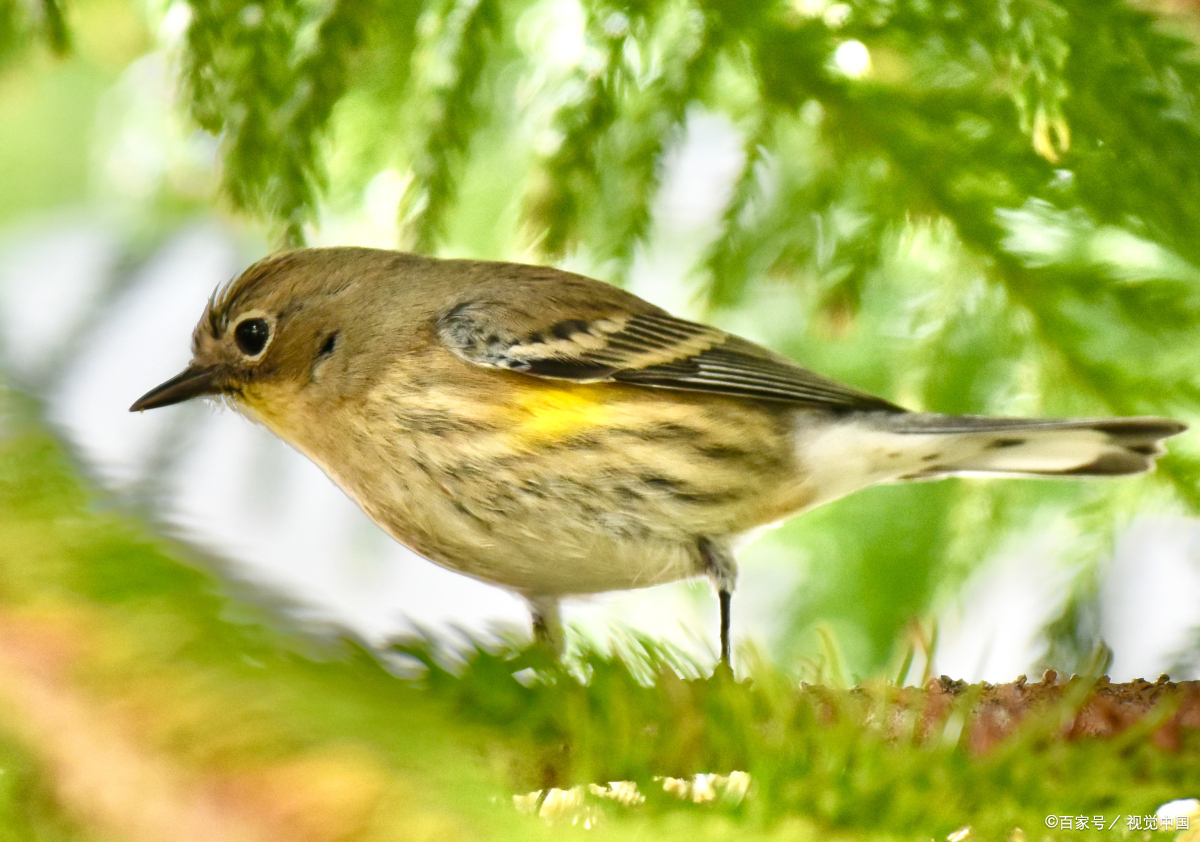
(251, 336)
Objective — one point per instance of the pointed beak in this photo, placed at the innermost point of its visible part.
(192, 382)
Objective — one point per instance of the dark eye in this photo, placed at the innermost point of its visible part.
(251, 336)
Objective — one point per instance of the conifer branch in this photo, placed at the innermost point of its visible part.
(454, 68)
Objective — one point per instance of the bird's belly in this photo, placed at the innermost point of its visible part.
(575, 490)
(535, 540)
(559, 563)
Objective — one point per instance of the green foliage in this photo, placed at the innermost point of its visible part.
(27, 808)
(455, 58)
(21, 22)
(807, 749)
(267, 76)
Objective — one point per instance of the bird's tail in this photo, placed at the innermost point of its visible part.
(942, 445)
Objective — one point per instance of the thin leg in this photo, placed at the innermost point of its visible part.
(547, 623)
(721, 568)
(726, 599)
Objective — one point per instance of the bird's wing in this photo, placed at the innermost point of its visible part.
(648, 349)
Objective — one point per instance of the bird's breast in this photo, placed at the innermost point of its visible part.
(555, 487)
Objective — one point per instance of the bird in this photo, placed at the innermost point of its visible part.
(559, 436)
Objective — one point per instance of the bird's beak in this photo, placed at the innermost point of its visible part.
(192, 382)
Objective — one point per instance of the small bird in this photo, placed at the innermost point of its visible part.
(556, 435)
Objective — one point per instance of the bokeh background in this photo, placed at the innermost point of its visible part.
(986, 206)
(966, 207)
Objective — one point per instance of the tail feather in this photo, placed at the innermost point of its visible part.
(966, 444)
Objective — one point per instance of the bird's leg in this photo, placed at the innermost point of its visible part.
(726, 599)
(721, 568)
(547, 623)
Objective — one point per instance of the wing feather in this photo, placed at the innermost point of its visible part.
(648, 349)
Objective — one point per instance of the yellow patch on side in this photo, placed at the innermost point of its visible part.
(551, 411)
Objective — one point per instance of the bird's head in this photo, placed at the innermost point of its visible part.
(288, 325)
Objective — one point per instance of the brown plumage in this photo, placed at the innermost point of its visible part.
(556, 435)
